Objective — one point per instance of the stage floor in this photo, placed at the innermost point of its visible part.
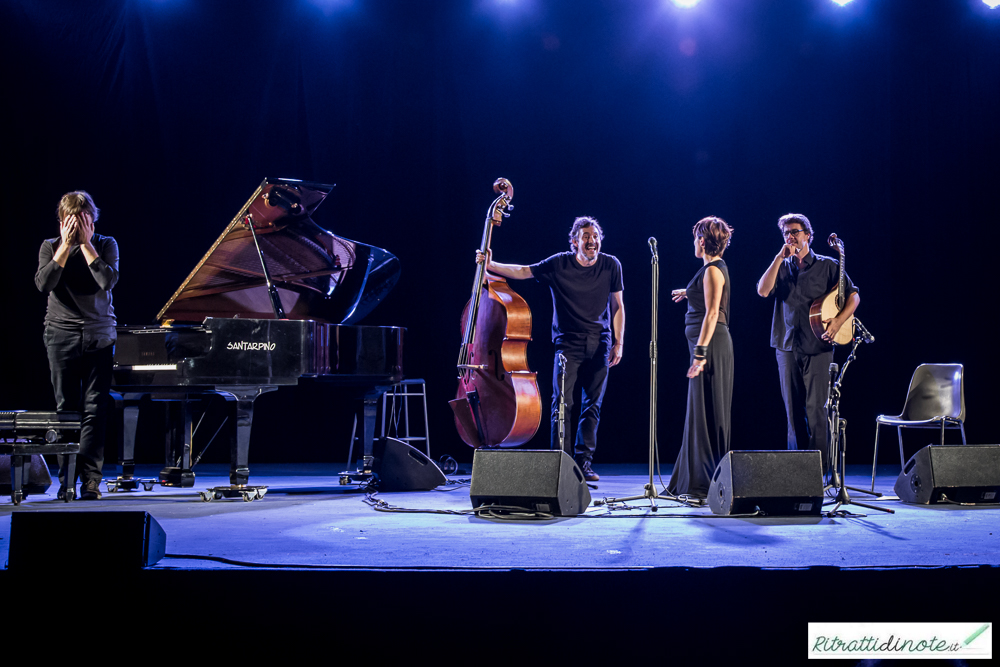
(308, 519)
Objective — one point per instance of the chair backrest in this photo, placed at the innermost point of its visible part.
(936, 390)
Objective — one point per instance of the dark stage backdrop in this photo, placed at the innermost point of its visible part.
(878, 120)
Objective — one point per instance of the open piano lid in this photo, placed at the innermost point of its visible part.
(318, 275)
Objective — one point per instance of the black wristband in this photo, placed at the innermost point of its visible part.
(700, 351)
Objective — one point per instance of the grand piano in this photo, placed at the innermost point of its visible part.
(274, 302)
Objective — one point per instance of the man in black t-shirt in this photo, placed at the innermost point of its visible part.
(77, 270)
(588, 323)
(796, 277)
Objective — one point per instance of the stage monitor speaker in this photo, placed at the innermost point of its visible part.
(38, 482)
(84, 541)
(778, 483)
(401, 467)
(543, 480)
(951, 473)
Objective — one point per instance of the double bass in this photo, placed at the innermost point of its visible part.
(497, 403)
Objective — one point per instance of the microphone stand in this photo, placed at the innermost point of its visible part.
(649, 490)
(838, 432)
(561, 420)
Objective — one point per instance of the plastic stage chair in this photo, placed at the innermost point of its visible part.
(936, 399)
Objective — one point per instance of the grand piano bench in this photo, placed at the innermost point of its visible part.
(20, 463)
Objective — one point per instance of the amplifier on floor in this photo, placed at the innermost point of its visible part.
(84, 541)
(967, 474)
(543, 480)
(779, 483)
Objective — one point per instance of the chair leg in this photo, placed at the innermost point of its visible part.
(942, 431)
(902, 459)
(961, 426)
(70, 477)
(427, 426)
(875, 457)
(19, 470)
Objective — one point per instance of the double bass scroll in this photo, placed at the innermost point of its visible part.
(497, 403)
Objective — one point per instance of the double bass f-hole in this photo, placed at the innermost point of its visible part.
(497, 403)
(497, 367)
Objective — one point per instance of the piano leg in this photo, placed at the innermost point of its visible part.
(178, 443)
(369, 411)
(126, 409)
(239, 465)
(130, 424)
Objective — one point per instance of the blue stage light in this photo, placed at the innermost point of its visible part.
(328, 6)
(507, 10)
(992, 4)
(685, 4)
(841, 2)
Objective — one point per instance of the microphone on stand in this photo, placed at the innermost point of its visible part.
(864, 333)
(562, 360)
(652, 245)
(834, 369)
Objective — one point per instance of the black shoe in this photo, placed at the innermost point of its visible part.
(61, 495)
(588, 472)
(90, 490)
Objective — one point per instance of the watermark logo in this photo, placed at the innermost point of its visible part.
(960, 641)
(248, 345)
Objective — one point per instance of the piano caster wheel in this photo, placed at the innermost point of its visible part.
(345, 480)
(254, 494)
(127, 484)
(18, 496)
(247, 493)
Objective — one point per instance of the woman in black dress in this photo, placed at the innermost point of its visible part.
(710, 387)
